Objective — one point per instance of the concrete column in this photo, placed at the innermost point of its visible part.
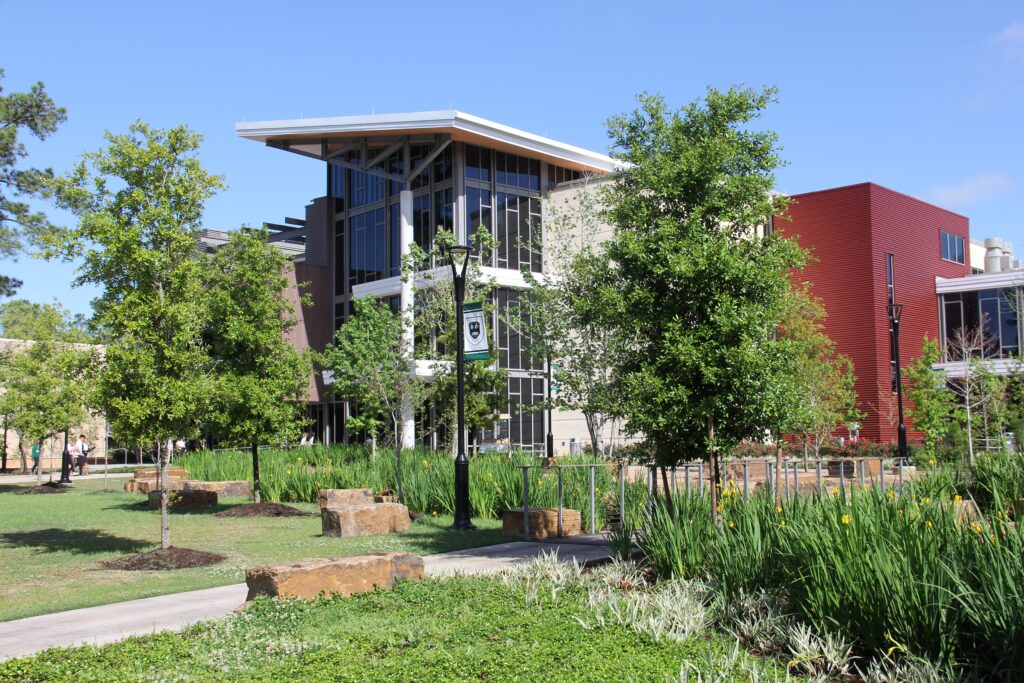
(408, 319)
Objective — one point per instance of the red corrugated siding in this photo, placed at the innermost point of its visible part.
(849, 231)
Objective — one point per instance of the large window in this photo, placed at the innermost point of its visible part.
(368, 247)
(952, 247)
(993, 310)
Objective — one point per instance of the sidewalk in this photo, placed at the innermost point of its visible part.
(109, 623)
(31, 478)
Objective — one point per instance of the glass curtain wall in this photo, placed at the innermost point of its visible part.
(994, 311)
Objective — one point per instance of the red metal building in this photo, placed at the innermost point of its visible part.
(853, 233)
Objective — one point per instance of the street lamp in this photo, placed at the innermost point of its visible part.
(65, 462)
(895, 311)
(458, 258)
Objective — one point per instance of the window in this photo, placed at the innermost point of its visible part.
(891, 291)
(952, 247)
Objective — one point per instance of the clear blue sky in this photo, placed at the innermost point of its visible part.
(924, 97)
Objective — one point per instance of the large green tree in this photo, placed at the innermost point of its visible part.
(44, 377)
(35, 113)
(261, 376)
(139, 204)
(702, 294)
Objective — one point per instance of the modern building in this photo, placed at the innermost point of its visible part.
(392, 181)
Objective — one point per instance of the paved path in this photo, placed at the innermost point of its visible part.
(31, 478)
(108, 623)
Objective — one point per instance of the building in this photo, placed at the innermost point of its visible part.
(871, 246)
(393, 180)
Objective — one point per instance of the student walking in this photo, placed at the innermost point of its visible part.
(35, 458)
(83, 455)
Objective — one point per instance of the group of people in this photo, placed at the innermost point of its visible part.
(308, 440)
(77, 453)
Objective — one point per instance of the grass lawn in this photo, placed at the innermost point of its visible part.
(455, 630)
(51, 546)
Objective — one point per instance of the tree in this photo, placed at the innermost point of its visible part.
(371, 370)
(24, 319)
(567, 323)
(702, 295)
(966, 345)
(44, 381)
(139, 204)
(824, 378)
(35, 113)
(260, 376)
(932, 410)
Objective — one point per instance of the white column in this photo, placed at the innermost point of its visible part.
(408, 319)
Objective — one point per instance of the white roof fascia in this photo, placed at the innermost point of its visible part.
(998, 366)
(379, 123)
(974, 283)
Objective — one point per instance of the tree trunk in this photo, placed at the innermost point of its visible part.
(165, 517)
(21, 456)
(715, 514)
(593, 430)
(398, 475)
(970, 436)
(256, 474)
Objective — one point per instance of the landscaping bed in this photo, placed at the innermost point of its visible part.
(262, 510)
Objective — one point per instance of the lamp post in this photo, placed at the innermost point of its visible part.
(65, 462)
(458, 258)
(895, 311)
(550, 442)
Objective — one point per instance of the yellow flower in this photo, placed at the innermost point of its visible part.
(865, 487)
(778, 510)
(976, 527)
(927, 501)
(932, 461)
(434, 513)
(892, 495)
(834, 490)
(958, 499)
(732, 525)
(782, 523)
(718, 509)
(928, 524)
(846, 519)
(426, 463)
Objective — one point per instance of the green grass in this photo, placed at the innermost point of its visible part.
(51, 546)
(455, 630)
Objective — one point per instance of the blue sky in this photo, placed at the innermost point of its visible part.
(924, 97)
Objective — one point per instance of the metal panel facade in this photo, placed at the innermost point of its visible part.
(850, 231)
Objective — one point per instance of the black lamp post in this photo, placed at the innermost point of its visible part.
(458, 258)
(65, 462)
(895, 311)
(550, 443)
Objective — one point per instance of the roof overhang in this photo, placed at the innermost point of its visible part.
(979, 281)
(320, 137)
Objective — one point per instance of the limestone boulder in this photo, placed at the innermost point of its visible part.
(306, 579)
(185, 500)
(150, 485)
(364, 520)
(543, 522)
(337, 498)
(223, 489)
(172, 473)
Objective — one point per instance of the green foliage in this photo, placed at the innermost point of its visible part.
(139, 204)
(496, 480)
(700, 295)
(35, 113)
(825, 381)
(880, 569)
(371, 367)
(260, 376)
(23, 319)
(933, 410)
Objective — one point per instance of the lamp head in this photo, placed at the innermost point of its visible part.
(458, 254)
(895, 311)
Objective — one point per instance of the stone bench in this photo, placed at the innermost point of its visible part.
(306, 579)
(338, 498)
(364, 520)
(185, 500)
(543, 522)
(150, 485)
(224, 489)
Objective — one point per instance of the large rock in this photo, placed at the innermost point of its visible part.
(339, 498)
(307, 579)
(150, 485)
(543, 522)
(223, 489)
(185, 500)
(364, 520)
(172, 473)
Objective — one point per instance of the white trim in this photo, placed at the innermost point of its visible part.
(973, 283)
(999, 366)
(427, 120)
(392, 286)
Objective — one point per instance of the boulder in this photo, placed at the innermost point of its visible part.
(185, 500)
(364, 520)
(337, 498)
(543, 522)
(172, 473)
(150, 485)
(223, 489)
(306, 579)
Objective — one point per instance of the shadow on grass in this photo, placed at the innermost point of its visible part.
(143, 506)
(78, 541)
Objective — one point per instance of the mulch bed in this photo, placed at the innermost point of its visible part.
(49, 487)
(171, 558)
(262, 510)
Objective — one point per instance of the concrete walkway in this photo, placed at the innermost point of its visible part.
(31, 478)
(109, 623)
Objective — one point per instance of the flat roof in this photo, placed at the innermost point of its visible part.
(312, 137)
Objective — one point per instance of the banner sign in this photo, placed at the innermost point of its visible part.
(474, 331)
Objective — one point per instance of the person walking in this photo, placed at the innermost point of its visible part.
(36, 455)
(83, 455)
(75, 456)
